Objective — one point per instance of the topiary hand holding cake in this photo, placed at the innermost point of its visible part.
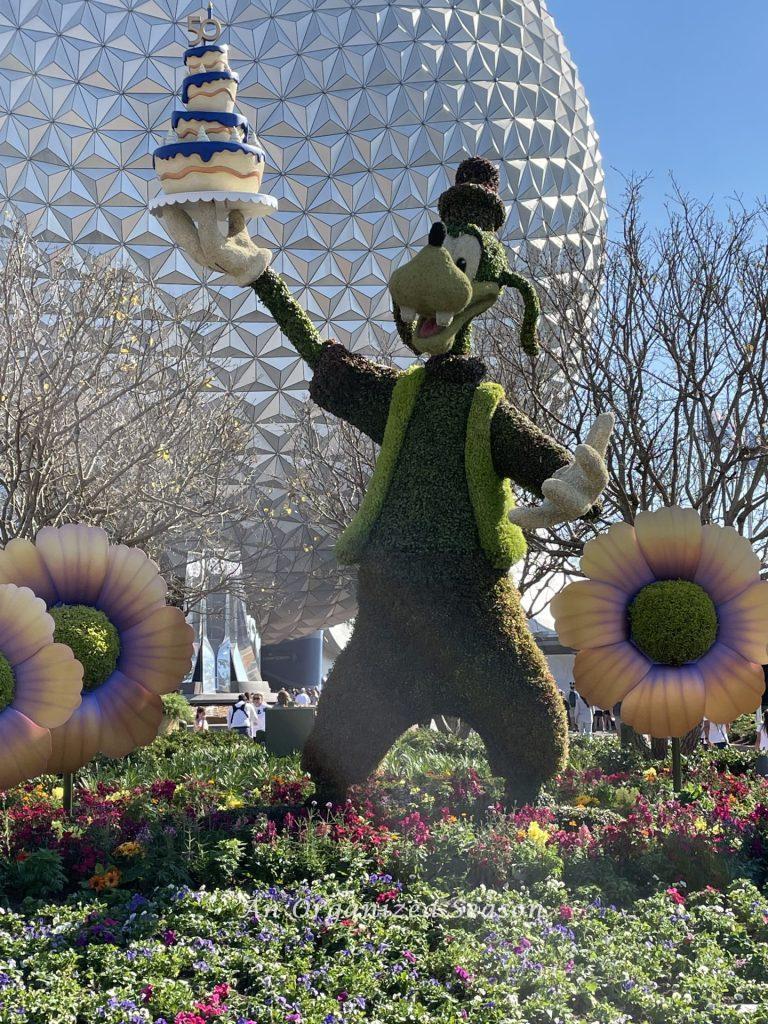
(440, 629)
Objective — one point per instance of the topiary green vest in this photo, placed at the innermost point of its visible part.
(502, 542)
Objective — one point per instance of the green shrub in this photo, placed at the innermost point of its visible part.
(177, 708)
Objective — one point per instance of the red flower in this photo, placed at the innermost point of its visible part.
(566, 912)
(675, 896)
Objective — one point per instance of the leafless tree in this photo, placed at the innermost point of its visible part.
(670, 333)
(110, 413)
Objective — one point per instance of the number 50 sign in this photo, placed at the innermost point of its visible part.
(204, 30)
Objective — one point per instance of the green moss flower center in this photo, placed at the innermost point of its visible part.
(7, 682)
(673, 622)
(93, 639)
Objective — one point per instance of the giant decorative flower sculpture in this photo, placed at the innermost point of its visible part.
(672, 622)
(108, 605)
(40, 684)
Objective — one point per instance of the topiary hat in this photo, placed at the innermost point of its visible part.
(474, 199)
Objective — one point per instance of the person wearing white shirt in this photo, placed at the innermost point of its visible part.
(258, 726)
(584, 716)
(302, 699)
(241, 716)
(715, 734)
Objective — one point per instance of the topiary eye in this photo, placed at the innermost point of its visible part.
(461, 263)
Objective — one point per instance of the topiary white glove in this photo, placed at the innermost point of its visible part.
(574, 489)
(236, 254)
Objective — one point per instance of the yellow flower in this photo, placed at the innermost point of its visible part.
(585, 801)
(537, 835)
(699, 825)
(129, 849)
(232, 802)
(57, 792)
(650, 774)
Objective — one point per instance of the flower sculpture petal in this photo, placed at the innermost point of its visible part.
(672, 621)
(108, 604)
(40, 684)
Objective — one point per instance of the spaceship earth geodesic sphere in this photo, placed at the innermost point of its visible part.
(365, 108)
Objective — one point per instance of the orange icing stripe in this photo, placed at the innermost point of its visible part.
(176, 176)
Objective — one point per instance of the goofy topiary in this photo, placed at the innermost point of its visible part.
(440, 628)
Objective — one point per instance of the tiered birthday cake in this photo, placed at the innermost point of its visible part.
(212, 149)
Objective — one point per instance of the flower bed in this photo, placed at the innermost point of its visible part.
(369, 948)
(432, 815)
(421, 899)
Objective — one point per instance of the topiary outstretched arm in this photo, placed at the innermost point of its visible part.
(521, 451)
(289, 316)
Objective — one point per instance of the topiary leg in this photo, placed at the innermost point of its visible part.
(368, 701)
(509, 696)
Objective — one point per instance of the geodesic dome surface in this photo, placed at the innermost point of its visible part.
(364, 107)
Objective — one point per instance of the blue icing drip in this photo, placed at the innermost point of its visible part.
(205, 150)
(198, 51)
(203, 78)
(228, 120)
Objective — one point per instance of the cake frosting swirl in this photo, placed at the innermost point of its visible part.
(211, 147)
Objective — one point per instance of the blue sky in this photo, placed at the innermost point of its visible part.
(675, 85)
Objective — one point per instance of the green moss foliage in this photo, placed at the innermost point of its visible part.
(352, 542)
(531, 309)
(353, 388)
(292, 320)
(438, 491)
(438, 634)
(93, 639)
(521, 451)
(7, 682)
(673, 621)
(502, 542)
(471, 203)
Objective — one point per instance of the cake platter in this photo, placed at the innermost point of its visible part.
(250, 204)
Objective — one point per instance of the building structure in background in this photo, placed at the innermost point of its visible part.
(365, 108)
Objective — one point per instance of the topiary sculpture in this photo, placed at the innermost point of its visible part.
(440, 628)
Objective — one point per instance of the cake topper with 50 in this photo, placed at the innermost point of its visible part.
(225, 152)
(204, 30)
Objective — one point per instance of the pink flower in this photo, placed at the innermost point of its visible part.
(675, 896)
(169, 937)
(566, 912)
(342, 997)
(409, 956)
(463, 975)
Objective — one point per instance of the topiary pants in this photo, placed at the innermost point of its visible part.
(435, 635)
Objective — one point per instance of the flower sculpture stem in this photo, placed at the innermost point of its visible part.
(68, 798)
(677, 765)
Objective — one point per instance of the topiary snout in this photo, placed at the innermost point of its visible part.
(431, 285)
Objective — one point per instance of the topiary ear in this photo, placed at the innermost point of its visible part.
(531, 309)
